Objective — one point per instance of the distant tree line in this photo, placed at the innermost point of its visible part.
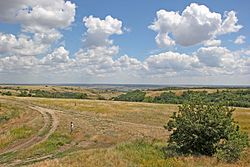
(237, 98)
(198, 87)
(42, 93)
(47, 94)
(8, 93)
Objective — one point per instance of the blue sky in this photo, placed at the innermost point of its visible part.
(140, 42)
(138, 16)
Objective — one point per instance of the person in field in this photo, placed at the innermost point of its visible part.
(71, 127)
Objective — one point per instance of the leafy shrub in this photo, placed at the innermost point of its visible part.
(101, 97)
(230, 150)
(7, 93)
(24, 93)
(204, 129)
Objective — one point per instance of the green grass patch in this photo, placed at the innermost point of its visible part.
(15, 134)
(21, 132)
(145, 153)
(54, 142)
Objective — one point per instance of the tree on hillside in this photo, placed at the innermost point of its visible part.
(135, 96)
(206, 129)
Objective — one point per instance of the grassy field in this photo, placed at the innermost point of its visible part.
(17, 123)
(106, 133)
(98, 94)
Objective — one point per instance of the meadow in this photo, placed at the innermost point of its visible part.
(36, 132)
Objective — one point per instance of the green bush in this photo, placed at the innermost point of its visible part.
(7, 93)
(199, 128)
(230, 150)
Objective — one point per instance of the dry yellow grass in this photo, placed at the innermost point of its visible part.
(242, 116)
(130, 154)
(152, 114)
(98, 124)
(18, 123)
(106, 133)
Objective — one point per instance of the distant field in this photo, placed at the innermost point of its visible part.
(106, 133)
(43, 90)
(237, 97)
(104, 94)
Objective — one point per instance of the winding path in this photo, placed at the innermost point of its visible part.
(50, 125)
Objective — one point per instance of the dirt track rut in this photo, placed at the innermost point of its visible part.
(50, 124)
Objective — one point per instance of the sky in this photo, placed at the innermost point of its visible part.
(125, 42)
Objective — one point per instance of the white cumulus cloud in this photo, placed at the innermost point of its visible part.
(99, 31)
(170, 64)
(38, 15)
(59, 55)
(194, 25)
(22, 45)
(40, 20)
(240, 40)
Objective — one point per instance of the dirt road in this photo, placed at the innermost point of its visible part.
(50, 125)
